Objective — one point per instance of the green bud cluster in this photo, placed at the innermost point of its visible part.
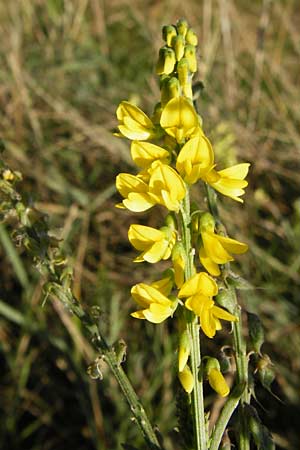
(177, 61)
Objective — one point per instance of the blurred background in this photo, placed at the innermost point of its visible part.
(65, 66)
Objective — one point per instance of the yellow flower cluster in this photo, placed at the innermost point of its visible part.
(180, 155)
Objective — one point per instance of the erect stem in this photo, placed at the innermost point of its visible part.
(193, 328)
(239, 344)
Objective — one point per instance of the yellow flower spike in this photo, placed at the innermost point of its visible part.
(179, 119)
(166, 61)
(186, 379)
(195, 159)
(167, 185)
(230, 182)
(178, 260)
(156, 306)
(135, 124)
(168, 33)
(154, 244)
(184, 350)
(215, 377)
(135, 193)
(216, 249)
(145, 153)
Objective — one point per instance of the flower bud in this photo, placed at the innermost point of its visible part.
(178, 45)
(190, 55)
(166, 61)
(182, 27)
(168, 33)
(186, 379)
(183, 71)
(178, 259)
(207, 223)
(170, 88)
(183, 350)
(256, 331)
(191, 37)
(215, 377)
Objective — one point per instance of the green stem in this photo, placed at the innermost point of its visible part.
(239, 344)
(194, 336)
(108, 354)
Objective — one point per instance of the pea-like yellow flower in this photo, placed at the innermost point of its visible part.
(156, 306)
(179, 119)
(215, 377)
(216, 249)
(186, 379)
(154, 244)
(145, 153)
(135, 124)
(200, 289)
(195, 159)
(230, 182)
(167, 185)
(135, 191)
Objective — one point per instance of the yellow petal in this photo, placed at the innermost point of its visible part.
(141, 135)
(218, 383)
(232, 245)
(222, 314)
(139, 202)
(126, 109)
(126, 183)
(207, 285)
(179, 118)
(208, 263)
(190, 287)
(138, 315)
(164, 285)
(198, 304)
(158, 251)
(145, 294)
(186, 379)
(157, 313)
(141, 236)
(214, 249)
(144, 153)
(238, 172)
(207, 323)
(195, 158)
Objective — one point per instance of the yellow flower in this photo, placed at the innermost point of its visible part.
(154, 244)
(200, 289)
(218, 382)
(195, 159)
(183, 350)
(135, 124)
(179, 118)
(216, 249)
(167, 185)
(230, 182)
(136, 193)
(186, 379)
(145, 153)
(156, 306)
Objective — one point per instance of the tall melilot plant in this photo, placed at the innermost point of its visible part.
(172, 154)
(198, 290)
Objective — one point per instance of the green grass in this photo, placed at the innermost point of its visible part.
(65, 66)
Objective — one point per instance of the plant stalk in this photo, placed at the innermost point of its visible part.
(193, 328)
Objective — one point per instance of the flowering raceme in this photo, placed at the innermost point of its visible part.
(154, 244)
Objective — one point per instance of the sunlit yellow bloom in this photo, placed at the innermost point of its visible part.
(200, 289)
(167, 186)
(195, 159)
(230, 182)
(145, 153)
(156, 306)
(135, 124)
(179, 118)
(184, 350)
(218, 382)
(136, 193)
(154, 244)
(216, 249)
(186, 379)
